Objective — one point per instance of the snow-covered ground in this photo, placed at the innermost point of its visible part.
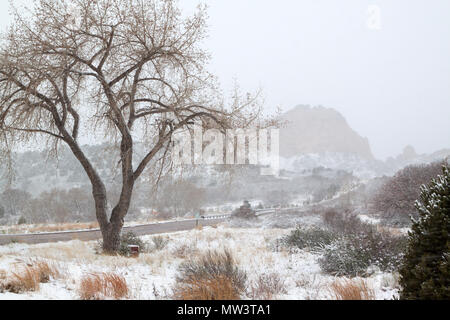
(152, 275)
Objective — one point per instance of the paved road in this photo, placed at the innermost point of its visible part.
(87, 235)
(148, 229)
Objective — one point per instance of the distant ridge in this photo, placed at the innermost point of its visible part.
(320, 130)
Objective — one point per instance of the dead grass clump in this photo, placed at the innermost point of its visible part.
(213, 269)
(211, 265)
(45, 271)
(64, 252)
(100, 286)
(185, 251)
(23, 280)
(219, 288)
(352, 290)
(117, 285)
(91, 287)
(29, 277)
(228, 235)
(267, 286)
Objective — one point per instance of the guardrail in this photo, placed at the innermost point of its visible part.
(259, 212)
(215, 217)
(262, 212)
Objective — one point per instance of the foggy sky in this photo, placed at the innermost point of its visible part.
(391, 84)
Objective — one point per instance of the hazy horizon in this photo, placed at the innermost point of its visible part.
(390, 80)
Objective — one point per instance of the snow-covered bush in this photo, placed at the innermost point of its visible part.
(358, 246)
(425, 273)
(312, 238)
(352, 254)
(128, 239)
(344, 222)
(21, 221)
(267, 286)
(159, 242)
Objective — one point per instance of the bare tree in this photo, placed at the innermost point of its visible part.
(180, 197)
(395, 199)
(15, 201)
(118, 70)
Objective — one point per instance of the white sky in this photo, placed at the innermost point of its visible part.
(392, 84)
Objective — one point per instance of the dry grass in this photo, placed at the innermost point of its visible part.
(75, 250)
(45, 270)
(185, 251)
(24, 280)
(91, 288)
(267, 286)
(219, 288)
(29, 277)
(53, 228)
(212, 265)
(227, 235)
(212, 276)
(352, 290)
(102, 286)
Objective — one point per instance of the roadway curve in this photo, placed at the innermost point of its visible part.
(94, 234)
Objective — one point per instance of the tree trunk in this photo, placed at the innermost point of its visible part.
(111, 233)
(111, 238)
(110, 229)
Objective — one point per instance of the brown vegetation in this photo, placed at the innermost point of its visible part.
(213, 276)
(396, 198)
(184, 251)
(28, 277)
(23, 280)
(45, 270)
(219, 288)
(99, 286)
(352, 290)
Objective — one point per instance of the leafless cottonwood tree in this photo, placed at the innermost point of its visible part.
(114, 69)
